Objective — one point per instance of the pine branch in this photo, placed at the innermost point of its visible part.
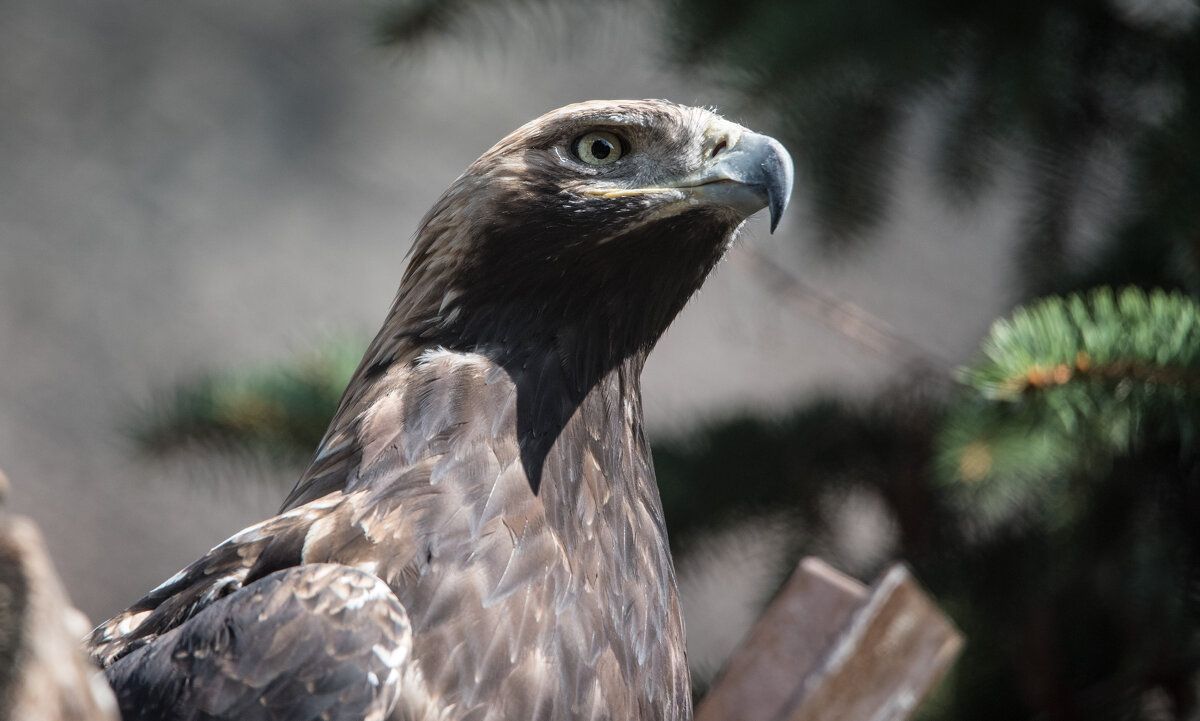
(1066, 386)
(1146, 338)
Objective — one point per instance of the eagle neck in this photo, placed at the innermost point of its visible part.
(613, 521)
(570, 394)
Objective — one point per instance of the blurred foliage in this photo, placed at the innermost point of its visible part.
(403, 24)
(1051, 503)
(1071, 465)
(279, 411)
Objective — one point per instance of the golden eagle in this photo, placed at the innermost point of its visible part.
(479, 534)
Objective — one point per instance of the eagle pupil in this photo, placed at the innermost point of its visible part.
(601, 149)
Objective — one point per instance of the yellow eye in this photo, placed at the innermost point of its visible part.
(599, 147)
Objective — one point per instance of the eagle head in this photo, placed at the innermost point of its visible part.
(596, 167)
(596, 221)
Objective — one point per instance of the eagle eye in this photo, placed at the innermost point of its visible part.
(599, 147)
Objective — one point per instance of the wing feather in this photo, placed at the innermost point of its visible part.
(320, 641)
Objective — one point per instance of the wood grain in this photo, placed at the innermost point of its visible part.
(828, 647)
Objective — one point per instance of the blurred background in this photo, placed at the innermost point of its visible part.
(205, 208)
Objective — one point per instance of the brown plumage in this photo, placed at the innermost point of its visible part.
(488, 460)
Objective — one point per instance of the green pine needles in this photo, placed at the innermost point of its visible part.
(1063, 387)
(1127, 338)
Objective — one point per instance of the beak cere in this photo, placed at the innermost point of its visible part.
(755, 172)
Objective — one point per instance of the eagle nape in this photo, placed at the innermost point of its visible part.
(479, 535)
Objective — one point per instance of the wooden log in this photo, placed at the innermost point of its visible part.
(830, 648)
(44, 674)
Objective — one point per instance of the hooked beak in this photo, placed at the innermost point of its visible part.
(744, 171)
(751, 173)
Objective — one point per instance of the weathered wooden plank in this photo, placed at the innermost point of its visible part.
(829, 648)
(784, 645)
(44, 675)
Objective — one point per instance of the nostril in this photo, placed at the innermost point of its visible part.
(719, 148)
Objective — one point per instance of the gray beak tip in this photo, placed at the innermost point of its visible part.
(776, 212)
(777, 168)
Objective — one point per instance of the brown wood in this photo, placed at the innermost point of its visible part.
(828, 647)
(45, 675)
